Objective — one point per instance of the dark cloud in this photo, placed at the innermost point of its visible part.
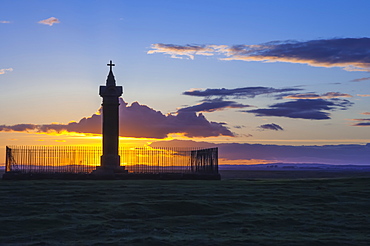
(213, 105)
(142, 121)
(306, 106)
(352, 54)
(244, 92)
(313, 109)
(360, 79)
(218, 103)
(19, 127)
(138, 121)
(271, 126)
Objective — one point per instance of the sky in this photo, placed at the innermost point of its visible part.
(266, 81)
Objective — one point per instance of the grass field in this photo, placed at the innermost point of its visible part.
(227, 212)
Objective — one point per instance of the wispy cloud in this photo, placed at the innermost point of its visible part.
(213, 105)
(138, 121)
(214, 99)
(328, 95)
(305, 105)
(313, 109)
(4, 70)
(50, 21)
(363, 95)
(362, 122)
(181, 51)
(361, 119)
(360, 79)
(271, 126)
(351, 54)
(4, 22)
(243, 92)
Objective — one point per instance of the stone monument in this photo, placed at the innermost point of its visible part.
(110, 160)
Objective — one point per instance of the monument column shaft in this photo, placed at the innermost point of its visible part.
(110, 125)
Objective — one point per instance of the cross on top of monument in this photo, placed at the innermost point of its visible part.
(110, 80)
(111, 65)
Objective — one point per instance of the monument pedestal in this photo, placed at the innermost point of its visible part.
(110, 164)
(109, 171)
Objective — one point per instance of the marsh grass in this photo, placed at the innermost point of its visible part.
(227, 212)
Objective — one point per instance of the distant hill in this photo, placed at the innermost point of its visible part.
(295, 166)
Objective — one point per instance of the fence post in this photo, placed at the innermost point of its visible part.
(7, 159)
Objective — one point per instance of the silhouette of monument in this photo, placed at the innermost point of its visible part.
(110, 160)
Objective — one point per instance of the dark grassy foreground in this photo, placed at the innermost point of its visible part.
(227, 212)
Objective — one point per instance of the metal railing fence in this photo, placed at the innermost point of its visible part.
(85, 159)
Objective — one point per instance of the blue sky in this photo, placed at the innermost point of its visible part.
(317, 52)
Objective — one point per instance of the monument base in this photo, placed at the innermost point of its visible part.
(109, 171)
(110, 165)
